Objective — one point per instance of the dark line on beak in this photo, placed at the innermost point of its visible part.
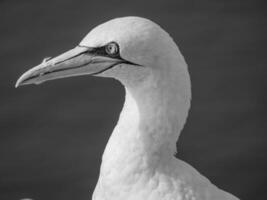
(75, 67)
(103, 70)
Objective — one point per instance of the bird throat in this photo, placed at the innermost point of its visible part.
(144, 139)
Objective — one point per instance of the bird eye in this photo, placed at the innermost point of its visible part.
(112, 49)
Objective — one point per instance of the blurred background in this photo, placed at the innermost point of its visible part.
(52, 136)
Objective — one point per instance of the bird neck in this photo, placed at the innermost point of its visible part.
(149, 125)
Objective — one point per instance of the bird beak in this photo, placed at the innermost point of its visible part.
(75, 62)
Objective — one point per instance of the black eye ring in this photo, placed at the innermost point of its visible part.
(112, 49)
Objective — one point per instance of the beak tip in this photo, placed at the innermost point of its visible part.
(18, 83)
(23, 79)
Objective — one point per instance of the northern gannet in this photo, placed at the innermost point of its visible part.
(138, 162)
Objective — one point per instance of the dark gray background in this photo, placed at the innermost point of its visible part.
(52, 136)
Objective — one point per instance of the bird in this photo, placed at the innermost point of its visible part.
(138, 162)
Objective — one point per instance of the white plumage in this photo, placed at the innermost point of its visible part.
(138, 162)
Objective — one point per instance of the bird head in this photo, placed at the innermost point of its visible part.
(138, 53)
(130, 49)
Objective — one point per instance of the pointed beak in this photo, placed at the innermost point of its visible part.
(78, 61)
